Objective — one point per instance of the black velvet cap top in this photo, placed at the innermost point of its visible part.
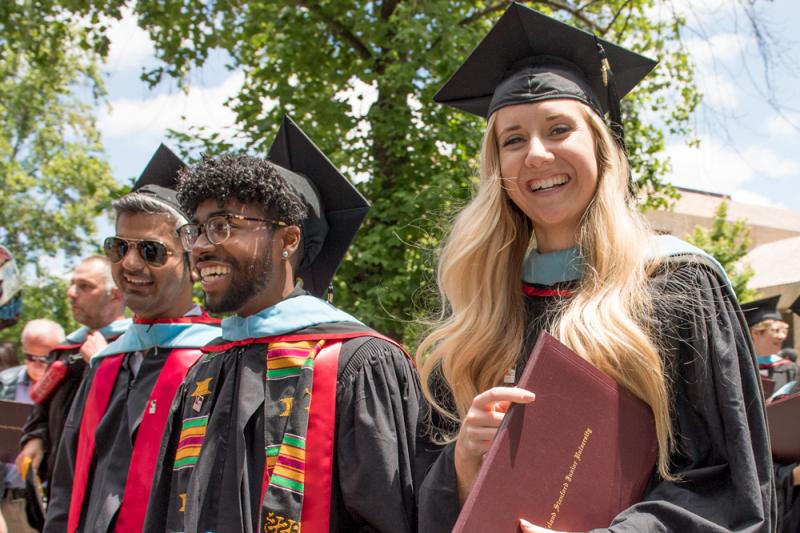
(529, 57)
(160, 178)
(795, 307)
(335, 207)
(760, 310)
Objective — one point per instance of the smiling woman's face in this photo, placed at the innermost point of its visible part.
(548, 165)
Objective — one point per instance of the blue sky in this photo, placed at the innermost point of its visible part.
(747, 150)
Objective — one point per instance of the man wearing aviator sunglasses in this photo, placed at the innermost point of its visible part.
(267, 238)
(107, 454)
(39, 337)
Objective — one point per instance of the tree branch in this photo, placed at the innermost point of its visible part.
(605, 30)
(337, 28)
(478, 15)
(572, 11)
(483, 13)
(388, 7)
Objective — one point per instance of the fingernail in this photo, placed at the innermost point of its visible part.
(529, 396)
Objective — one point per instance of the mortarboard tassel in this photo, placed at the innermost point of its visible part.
(330, 293)
(614, 113)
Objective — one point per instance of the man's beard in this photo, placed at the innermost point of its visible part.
(247, 281)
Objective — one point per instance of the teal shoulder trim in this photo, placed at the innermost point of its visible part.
(675, 249)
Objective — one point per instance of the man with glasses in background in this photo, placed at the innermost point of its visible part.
(106, 458)
(39, 337)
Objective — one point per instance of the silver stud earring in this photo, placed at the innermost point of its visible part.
(285, 255)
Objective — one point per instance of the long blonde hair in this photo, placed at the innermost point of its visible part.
(483, 311)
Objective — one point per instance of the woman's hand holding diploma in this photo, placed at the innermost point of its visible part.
(478, 430)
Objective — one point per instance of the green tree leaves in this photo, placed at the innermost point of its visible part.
(54, 178)
(727, 241)
(417, 160)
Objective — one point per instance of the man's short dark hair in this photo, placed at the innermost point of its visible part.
(240, 177)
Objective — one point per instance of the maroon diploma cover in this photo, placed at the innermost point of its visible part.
(573, 459)
(768, 385)
(13, 416)
(784, 431)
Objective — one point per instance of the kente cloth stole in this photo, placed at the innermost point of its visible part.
(148, 436)
(299, 435)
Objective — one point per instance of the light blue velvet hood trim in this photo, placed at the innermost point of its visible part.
(286, 316)
(116, 328)
(141, 337)
(566, 265)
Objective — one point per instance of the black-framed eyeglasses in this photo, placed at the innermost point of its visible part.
(36, 358)
(217, 229)
(153, 252)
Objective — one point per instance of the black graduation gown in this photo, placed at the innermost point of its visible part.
(115, 437)
(378, 403)
(47, 420)
(788, 499)
(788, 496)
(722, 452)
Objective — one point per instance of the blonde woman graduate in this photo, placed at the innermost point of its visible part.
(552, 241)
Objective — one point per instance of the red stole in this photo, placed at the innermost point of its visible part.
(148, 436)
(320, 436)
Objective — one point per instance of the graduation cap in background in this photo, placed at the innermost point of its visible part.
(160, 178)
(795, 307)
(760, 310)
(528, 57)
(335, 207)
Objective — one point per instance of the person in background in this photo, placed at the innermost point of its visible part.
(10, 289)
(38, 339)
(96, 303)
(8, 355)
(553, 241)
(789, 354)
(10, 309)
(787, 476)
(769, 331)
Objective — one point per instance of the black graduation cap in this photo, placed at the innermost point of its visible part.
(760, 310)
(159, 178)
(528, 57)
(795, 307)
(335, 207)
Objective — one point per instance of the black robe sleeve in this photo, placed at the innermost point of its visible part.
(722, 450)
(36, 426)
(378, 407)
(788, 497)
(64, 470)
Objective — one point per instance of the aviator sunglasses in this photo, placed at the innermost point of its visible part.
(152, 252)
(35, 358)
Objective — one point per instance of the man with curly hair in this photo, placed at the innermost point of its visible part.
(299, 415)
